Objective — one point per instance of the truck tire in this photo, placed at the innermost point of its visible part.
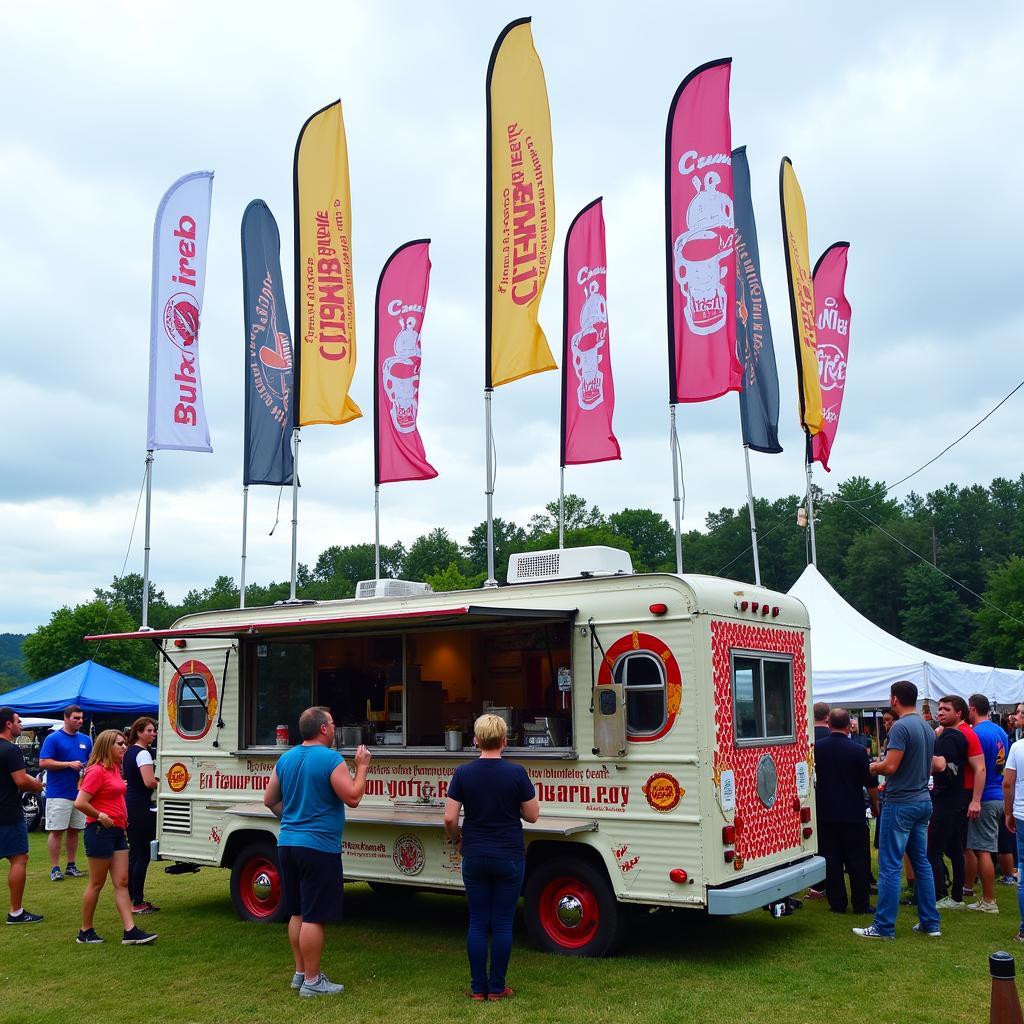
(256, 884)
(569, 908)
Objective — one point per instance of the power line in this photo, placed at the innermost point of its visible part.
(903, 480)
(906, 547)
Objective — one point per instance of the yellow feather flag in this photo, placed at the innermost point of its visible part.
(801, 298)
(325, 311)
(520, 207)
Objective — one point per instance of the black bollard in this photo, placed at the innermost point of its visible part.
(1005, 1000)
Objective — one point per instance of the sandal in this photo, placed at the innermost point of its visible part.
(505, 993)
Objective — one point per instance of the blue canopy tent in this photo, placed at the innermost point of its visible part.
(96, 689)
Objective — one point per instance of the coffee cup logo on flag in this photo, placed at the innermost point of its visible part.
(398, 357)
(588, 393)
(177, 417)
(701, 238)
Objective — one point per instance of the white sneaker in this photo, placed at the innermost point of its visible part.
(871, 932)
(931, 934)
(323, 986)
(948, 903)
(984, 906)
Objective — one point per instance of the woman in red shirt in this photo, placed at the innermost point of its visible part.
(101, 799)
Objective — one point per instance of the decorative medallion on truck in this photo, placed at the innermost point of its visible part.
(637, 641)
(759, 783)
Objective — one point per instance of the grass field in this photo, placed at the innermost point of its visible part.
(406, 963)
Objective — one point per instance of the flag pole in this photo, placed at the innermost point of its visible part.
(753, 524)
(145, 560)
(245, 528)
(676, 492)
(376, 531)
(810, 502)
(295, 511)
(561, 508)
(491, 580)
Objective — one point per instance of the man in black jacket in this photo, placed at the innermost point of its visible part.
(841, 766)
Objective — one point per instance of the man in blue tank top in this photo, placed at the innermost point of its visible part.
(308, 791)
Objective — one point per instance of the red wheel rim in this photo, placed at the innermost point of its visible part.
(569, 912)
(260, 887)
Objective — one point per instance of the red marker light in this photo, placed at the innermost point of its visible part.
(678, 875)
(808, 832)
(744, 605)
(658, 609)
(179, 643)
(754, 606)
(775, 612)
(728, 834)
(805, 814)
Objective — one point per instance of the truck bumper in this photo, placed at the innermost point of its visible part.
(767, 888)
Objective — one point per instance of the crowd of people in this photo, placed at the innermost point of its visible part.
(948, 798)
(947, 795)
(102, 789)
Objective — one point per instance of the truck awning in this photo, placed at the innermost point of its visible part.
(460, 615)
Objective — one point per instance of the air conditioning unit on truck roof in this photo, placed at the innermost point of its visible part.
(568, 564)
(391, 588)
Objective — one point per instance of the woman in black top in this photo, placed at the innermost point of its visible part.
(498, 796)
(140, 775)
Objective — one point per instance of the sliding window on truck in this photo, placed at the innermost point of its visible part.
(413, 689)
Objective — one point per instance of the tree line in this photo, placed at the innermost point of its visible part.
(886, 556)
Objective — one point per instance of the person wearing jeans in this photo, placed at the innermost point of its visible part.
(906, 812)
(497, 796)
(1013, 813)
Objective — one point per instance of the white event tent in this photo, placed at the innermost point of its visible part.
(854, 662)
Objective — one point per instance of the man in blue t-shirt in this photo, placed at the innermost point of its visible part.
(63, 756)
(309, 790)
(983, 831)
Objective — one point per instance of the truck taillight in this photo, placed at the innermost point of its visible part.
(728, 836)
(805, 814)
(808, 832)
(678, 875)
(729, 856)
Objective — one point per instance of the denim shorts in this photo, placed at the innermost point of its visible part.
(103, 843)
(14, 839)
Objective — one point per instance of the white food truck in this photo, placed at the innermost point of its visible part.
(663, 719)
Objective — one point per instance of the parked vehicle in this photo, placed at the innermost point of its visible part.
(664, 719)
(34, 731)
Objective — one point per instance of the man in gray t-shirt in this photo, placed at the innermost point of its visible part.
(906, 812)
(909, 782)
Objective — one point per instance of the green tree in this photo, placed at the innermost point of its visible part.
(431, 554)
(577, 516)
(127, 590)
(999, 630)
(60, 644)
(339, 569)
(650, 537)
(453, 578)
(223, 594)
(508, 539)
(932, 616)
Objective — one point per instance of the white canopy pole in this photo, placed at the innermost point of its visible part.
(753, 524)
(491, 580)
(676, 495)
(295, 511)
(245, 528)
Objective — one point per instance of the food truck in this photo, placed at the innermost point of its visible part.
(664, 720)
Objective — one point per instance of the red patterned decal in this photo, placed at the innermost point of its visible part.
(646, 642)
(765, 830)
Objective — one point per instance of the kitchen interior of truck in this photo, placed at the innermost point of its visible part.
(420, 688)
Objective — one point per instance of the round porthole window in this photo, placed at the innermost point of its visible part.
(767, 780)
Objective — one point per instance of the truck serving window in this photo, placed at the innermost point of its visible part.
(282, 688)
(762, 690)
(642, 674)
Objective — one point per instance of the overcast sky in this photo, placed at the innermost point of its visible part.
(903, 127)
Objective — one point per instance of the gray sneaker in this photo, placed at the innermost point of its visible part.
(948, 903)
(931, 933)
(323, 986)
(297, 979)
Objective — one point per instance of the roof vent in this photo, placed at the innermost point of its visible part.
(568, 564)
(391, 588)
